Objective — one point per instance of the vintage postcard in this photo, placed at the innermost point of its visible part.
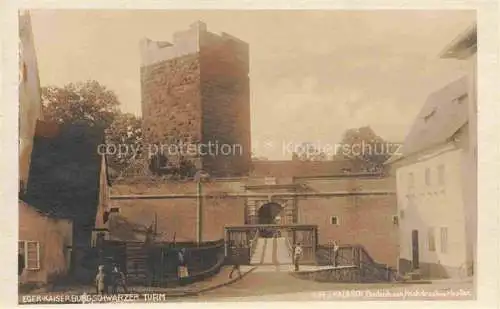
(247, 155)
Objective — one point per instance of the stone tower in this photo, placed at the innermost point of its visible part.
(195, 98)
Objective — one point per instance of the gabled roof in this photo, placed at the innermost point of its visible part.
(443, 114)
(64, 171)
(463, 46)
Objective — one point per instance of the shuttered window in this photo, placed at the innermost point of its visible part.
(441, 179)
(431, 239)
(444, 240)
(31, 252)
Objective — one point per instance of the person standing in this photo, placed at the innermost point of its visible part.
(297, 255)
(335, 253)
(182, 270)
(100, 280)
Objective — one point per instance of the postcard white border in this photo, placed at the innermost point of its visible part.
(488, 134)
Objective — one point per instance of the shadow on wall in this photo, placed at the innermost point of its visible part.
(123, 229)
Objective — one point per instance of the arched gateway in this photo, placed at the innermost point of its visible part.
(270, 219)
(270, 213)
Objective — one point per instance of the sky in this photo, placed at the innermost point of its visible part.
(313, 74)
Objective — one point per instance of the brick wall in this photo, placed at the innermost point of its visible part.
(350, 183)
(365, 220)
(174, 215)
(297, 168)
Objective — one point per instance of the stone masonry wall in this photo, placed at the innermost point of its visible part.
(225, 92)
(202, 97)
(365, 220)
(171, 102)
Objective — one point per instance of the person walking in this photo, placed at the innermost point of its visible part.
(100, 280)
(235, 262)
(119, 280)
(297, 255)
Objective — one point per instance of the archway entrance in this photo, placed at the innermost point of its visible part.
(270, 213)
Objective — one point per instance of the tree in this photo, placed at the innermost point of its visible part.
(87, 102)
(92, 104)
(124, 140)
(366, 147)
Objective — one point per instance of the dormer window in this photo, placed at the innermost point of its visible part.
(461, 99)
(426, 118)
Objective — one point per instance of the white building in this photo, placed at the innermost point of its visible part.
(30, 106)
(464, 48)
(436, 178)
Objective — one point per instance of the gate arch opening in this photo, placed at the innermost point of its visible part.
(270, 213)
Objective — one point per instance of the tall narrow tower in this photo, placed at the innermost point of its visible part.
(195, 93)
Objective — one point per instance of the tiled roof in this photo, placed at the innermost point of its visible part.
(443, 114)
(303, 168)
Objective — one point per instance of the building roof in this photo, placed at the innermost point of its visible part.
(443, 114)
(64, 171)
(296, 168)
(463, 46)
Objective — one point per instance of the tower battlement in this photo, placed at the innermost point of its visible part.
(186, 42)
(196, 90)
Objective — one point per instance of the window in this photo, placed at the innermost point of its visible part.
(441, 179)
(334, 220)
(270, 180)
(31, 252)
(395, 220)
(428, 116)
(23, 73)
(427, 176)
(431, 240)
(444, 239)
(411, 181)
(21, 248)
(461, 99)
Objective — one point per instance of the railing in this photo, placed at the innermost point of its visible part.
(156, 264)
(289, 245)
(357, 255)
(253, 243)
(305, 234)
